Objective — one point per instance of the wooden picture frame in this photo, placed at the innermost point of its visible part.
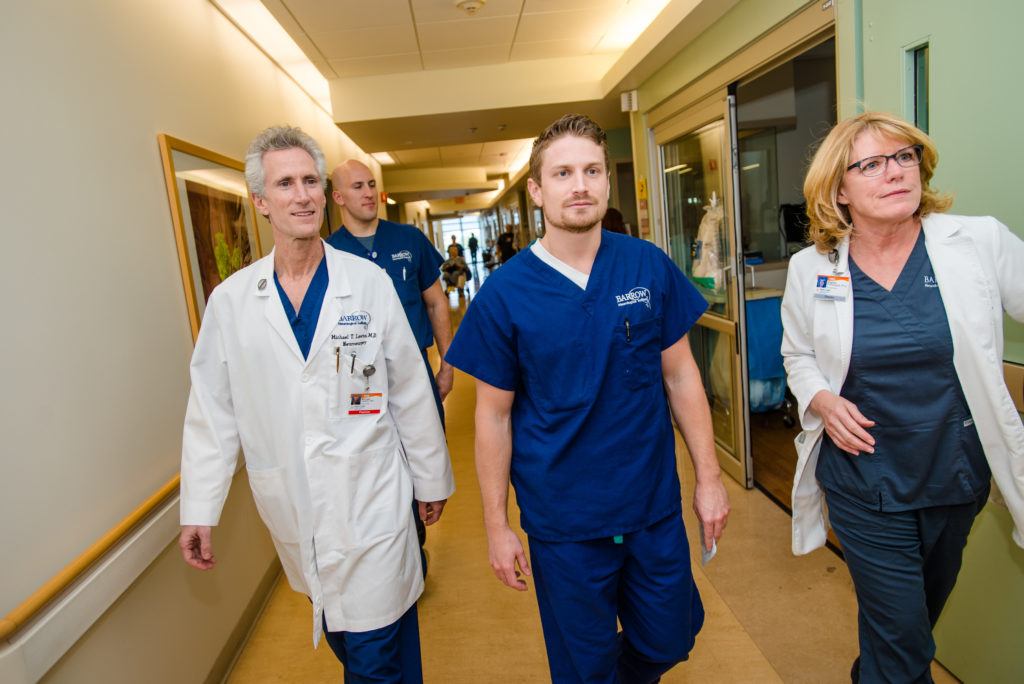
(216, 226)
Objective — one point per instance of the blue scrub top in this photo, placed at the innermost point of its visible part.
(304, 321)
(927, 450)
(593, 452)
(411, 261)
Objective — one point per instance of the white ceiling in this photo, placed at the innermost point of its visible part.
(493, 156)
(423, 73)
(354, 38)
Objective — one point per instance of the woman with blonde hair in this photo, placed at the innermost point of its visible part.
(893, 348)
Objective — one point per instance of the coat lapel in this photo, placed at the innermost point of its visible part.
(958, 273)
(844, 309)
(265, 289)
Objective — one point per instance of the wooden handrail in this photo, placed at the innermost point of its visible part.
(30, 607)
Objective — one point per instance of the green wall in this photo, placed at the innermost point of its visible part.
(738, 27)
(974, 99)
(980, 636)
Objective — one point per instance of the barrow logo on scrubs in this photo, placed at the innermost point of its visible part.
(638, 295)
(404, 254)
(355, 318)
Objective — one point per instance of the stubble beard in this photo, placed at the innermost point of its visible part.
(580, 224)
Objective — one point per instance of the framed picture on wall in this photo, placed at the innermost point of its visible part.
(216, 226)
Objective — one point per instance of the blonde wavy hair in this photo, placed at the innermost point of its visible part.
(830, 221)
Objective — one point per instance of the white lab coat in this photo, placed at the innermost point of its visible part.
(979, 267)
(333, 489)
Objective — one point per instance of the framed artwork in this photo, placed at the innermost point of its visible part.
(216, 226)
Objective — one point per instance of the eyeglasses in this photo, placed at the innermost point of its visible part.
(875, 166)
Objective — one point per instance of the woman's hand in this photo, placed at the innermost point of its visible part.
(844, 423)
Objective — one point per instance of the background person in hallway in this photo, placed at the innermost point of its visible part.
(580, 354)
(506, 245)
(900, 431)
(613, 222)
(455, 249)
(306, 362)
(473, 245)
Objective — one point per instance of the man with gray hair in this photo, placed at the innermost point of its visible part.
(306, 362)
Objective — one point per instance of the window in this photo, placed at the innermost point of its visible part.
(917, 85)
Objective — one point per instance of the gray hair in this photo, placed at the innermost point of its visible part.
(280, 138)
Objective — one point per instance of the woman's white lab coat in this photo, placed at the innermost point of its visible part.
(979, 267)
(332, 480)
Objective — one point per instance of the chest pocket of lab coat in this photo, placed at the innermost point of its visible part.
(636, 353)
(350, 380)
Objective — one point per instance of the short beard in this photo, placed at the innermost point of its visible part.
(578, 224)
(579, 228)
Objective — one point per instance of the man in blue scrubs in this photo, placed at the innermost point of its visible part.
(413, 264)
(407, 256)
(579, 349)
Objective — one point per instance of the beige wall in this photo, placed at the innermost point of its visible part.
(176, 625)
(96, 349)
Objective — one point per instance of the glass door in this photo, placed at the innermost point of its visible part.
(698, 181)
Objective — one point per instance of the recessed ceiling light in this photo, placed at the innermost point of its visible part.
(383, 158)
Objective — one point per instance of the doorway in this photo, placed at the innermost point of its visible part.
(781, 116)
(731, 177)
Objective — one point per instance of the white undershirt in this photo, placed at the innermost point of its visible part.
(578, 277)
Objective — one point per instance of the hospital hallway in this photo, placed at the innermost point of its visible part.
(771, 616)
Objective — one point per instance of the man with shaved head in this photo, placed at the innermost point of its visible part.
(413, 263)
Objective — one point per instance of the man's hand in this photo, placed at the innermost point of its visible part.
(506, 552)
(196, 547)
(430, 511)
(445, 379)
(711, 504)
(844, 423)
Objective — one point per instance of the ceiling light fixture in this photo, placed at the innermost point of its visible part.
(470, 7)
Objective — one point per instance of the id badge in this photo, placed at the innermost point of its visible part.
(831, 287)
(365, 403)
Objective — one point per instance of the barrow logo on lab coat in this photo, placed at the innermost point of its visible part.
(404, 254)
(638, 295)
(355, 318)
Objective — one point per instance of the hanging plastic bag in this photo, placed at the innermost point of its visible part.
(707, 267)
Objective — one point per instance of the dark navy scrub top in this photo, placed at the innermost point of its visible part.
(411, 261)
(927, 450)
(593, 452)
(304, 321)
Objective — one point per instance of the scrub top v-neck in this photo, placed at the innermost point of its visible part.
(410, 260)
(593, 452)
(303, 321)
(927, 450)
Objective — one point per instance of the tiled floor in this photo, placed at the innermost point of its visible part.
(771, 617)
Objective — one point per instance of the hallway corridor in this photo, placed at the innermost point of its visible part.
(771, 617)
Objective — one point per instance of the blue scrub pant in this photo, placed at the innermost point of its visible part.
(904, 565)
(390, 654)
(646, 581)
